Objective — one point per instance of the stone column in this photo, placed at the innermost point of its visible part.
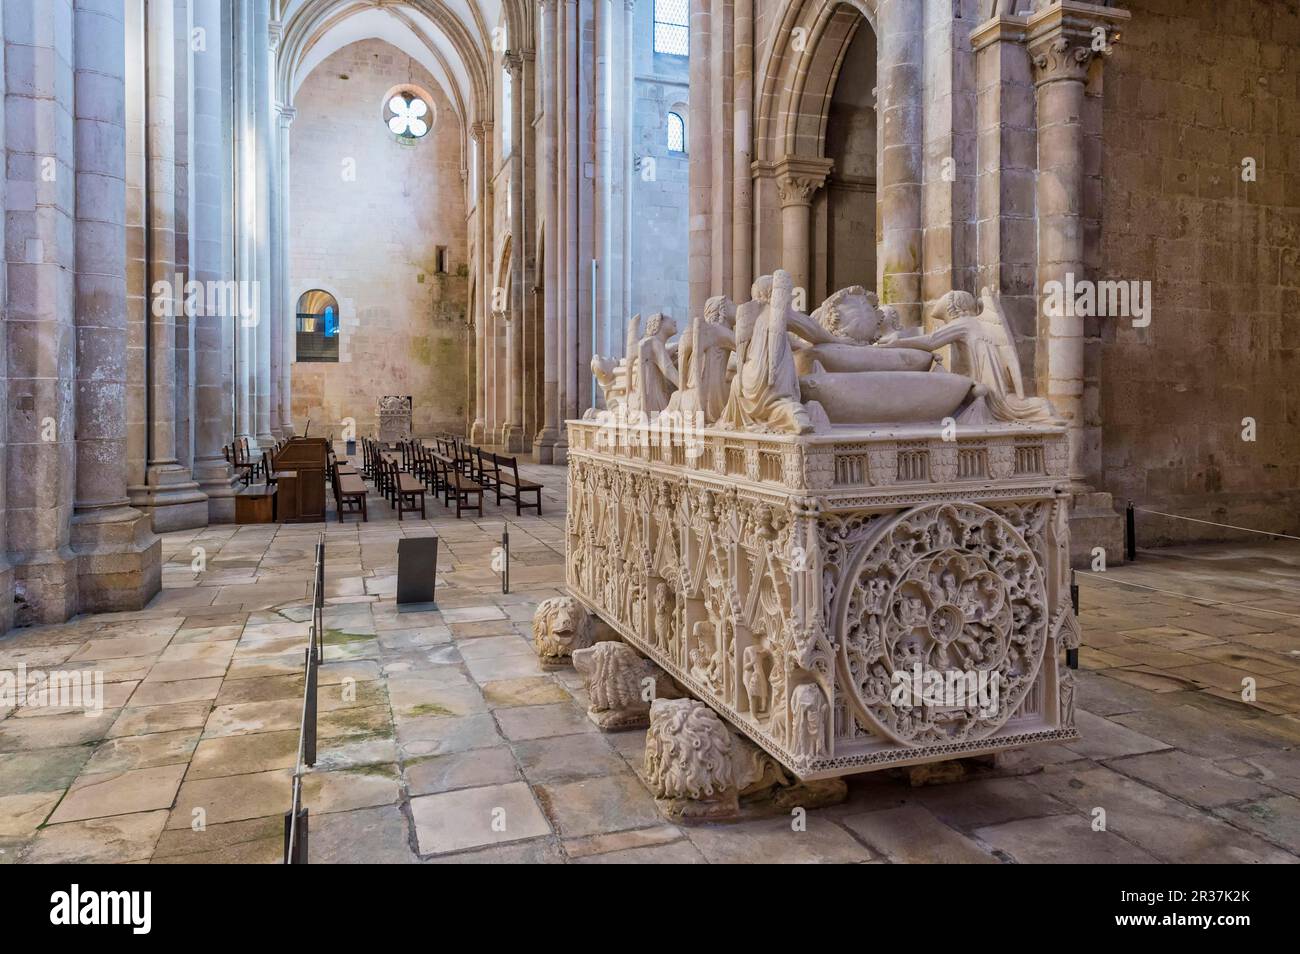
(1062, 46)
(39, 240)
(544, 443)
(512, 430)
(1006, 175)
(169, 494)
(245, 219)
(6, 570)
(285, 306)
(742, 179)
(483, 302)
(214, 327)
(797, 179)
(569, 60)
(700, 160)
(901, 79)
(119, 557)
(266, 421)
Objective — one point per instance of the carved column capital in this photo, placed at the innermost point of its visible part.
(798, 179)
(513, 62)
(476, 131)
(287, 114)
(1064, 38)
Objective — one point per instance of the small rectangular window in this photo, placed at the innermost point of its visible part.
(672, 27)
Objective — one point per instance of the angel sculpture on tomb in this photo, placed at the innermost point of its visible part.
(616, 377)
(653, 371)
(984, 349)
(764, 392)
(703, 357)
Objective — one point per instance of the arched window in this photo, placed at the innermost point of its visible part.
(676, 133)
(672, 27)
(318, 327)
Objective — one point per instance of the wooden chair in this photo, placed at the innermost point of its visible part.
(508, 474)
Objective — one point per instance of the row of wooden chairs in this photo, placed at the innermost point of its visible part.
(448, 467)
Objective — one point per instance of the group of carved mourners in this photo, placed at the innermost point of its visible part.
(765, 367)
(767, 534)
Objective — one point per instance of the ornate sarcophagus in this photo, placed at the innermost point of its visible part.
(848, 599)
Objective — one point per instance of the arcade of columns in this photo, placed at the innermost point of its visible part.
(147, 140)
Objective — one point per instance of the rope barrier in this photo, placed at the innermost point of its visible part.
(1229, 526)
(1188, 596)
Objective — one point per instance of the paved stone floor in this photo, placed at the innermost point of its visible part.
(443, 740)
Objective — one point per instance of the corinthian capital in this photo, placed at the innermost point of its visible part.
(797, 179)
(1065, 36)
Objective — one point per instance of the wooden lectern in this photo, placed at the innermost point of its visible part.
(300, 469)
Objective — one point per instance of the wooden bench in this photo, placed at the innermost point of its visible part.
(350, 495)
(456, 485)
(409, 489)
(255, 504)
(507, 469)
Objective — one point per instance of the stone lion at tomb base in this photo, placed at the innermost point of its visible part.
(560, 625)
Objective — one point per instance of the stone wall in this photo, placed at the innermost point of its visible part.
(1194, 88)
(373, 243)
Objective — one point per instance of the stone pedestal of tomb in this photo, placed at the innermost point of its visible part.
(394, 418)
(849, 600)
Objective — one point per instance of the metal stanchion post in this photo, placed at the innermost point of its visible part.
(505, 551)
(1130, 533)
(295, 842)
(309, 714)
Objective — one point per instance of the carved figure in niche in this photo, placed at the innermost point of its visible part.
(808, 739)
(654, 372)
(560, 625)
(984, 349)
(703, 357)
(780, 727)
(1065, 676)
(764, 393)
(756, 661)
(665, 616)
(705, 659)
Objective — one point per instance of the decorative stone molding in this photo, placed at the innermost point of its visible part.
(797, 179)
(1064, 37)
(560, 625)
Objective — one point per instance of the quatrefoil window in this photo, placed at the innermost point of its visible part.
(407, 115)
